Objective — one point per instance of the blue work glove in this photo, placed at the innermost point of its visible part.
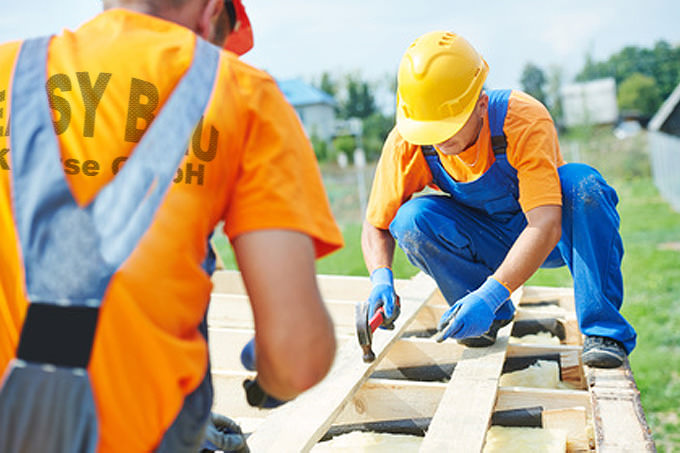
(248, 355)
(255, 395)
(383, 295)
(472, 315)
(223, 434)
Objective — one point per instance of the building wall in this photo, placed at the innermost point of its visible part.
(318, 119)
(591, 102)
(665, 156)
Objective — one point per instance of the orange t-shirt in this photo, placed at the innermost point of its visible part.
(533, 150)
(249, 164)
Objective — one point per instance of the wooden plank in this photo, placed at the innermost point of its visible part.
(413, 352)
(543, 293)
(227, 282)
(620, 424)
(518, 397)
(225, 347)
(570, 359)
(234, 311)
(385, 399)
(314, 410)
(341, 287)
(465, 409)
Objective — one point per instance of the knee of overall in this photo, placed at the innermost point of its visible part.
(411, 225)
(584, 188)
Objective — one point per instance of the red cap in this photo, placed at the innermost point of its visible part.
(240, 40)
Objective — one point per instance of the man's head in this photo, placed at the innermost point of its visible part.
(439, 92)
(222, 22)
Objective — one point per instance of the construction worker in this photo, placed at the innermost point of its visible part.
(506, 203)
(122, 146)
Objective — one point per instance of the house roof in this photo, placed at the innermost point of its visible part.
(665, 111)
(300, 93)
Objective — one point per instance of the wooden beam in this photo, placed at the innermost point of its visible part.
(234, 311)
(226, 344)
(386, 399)
(518, 397)
(225, 347)
(465, 409)
(413, 352)
(314, 411)
(572, 333)
(230, 398)
(570, 359)
(340, 287)
(543, 293)
(620, 424)
(227, 282)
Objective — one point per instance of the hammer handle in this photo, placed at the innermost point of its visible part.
(377, 319)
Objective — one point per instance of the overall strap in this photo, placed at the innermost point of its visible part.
(498, 108)
(71, 252)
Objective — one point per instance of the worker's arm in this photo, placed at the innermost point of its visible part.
(378, 249)
(294, 334)
(473, 314)
(377, 246)
(532, 247)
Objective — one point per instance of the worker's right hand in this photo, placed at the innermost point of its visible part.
(472, 315)
(223, 434)
(383, 295)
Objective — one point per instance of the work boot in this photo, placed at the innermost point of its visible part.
(603, 352)
(488, 338)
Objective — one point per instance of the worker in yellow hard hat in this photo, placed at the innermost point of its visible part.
(504, 203)
(122, 145)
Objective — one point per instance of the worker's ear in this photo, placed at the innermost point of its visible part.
(208, 18)
(482, 104)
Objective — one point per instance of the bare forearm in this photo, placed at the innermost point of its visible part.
(294, 337)
(377, 246)
(531, 248)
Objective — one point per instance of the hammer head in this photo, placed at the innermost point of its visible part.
(365, 330)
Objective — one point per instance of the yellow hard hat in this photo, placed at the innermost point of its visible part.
(440, 78)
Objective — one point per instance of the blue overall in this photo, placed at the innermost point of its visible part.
(70, 254)
(461, 238)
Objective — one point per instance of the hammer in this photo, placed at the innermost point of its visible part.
(366, 326)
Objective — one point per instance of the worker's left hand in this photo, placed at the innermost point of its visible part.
(472, 315)
(224, 434)
(254, 393)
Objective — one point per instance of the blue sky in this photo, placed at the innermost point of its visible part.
(303, 38)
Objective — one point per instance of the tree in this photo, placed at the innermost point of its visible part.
(661, 63)
(360, 102)
(640, 94)
(554, 100)
(376, 128)
(328, 85)
(533, 79)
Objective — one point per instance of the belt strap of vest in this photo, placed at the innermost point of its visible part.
(70, 252)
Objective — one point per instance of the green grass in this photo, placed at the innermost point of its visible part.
(651, 278)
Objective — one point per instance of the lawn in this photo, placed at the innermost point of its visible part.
(651, 268)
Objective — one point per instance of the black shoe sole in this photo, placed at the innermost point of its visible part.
(602, 359)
